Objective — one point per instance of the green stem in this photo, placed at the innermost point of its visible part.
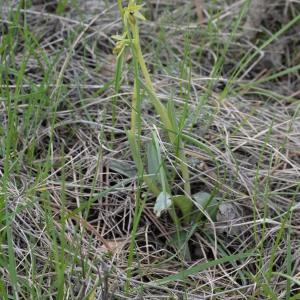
(161, 110)
(133, 122)
(120, 6)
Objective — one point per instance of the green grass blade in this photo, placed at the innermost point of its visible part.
(183, 275)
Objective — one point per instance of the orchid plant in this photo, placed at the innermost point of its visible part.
(156, 176)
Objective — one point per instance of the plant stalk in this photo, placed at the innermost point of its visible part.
(161, 110)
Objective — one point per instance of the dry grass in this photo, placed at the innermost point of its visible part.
(69, 187)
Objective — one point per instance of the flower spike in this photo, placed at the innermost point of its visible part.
(122, 43)
(132, 12)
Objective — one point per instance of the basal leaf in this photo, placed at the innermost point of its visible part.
(163, 202)
(153, 162)
(208, 203)
(184, 204)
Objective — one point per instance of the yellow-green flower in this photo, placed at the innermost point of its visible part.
(131, 13)
(122, 43)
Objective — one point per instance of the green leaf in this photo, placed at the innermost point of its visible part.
(294, 279)
(136, 154)
(124, 168)
(172, 114)
(153, 162)
(183, 275)
(163, 176)
(180, 241)
(185, 205)
(135, 150)
(163, 202)
(208, 203)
